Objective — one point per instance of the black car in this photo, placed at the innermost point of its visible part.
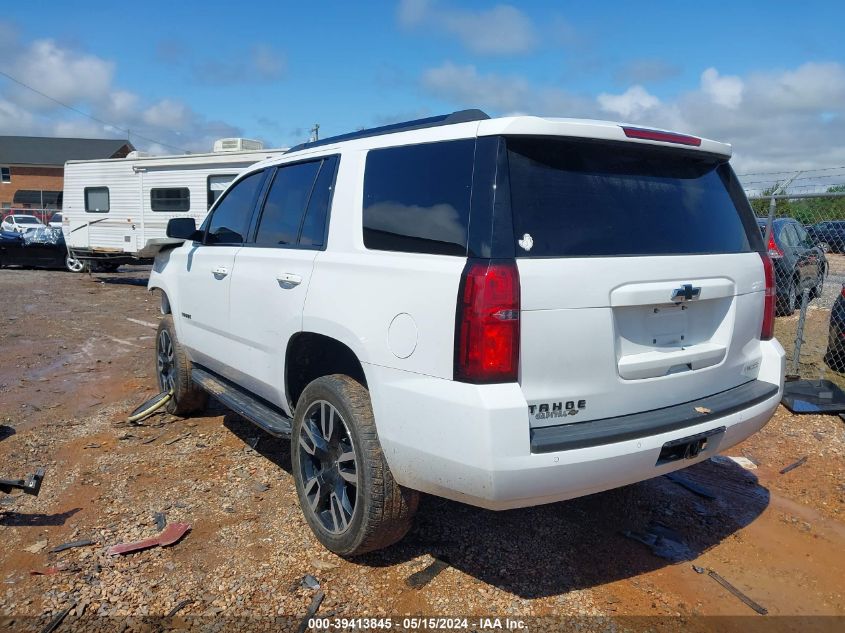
(828, 235)
(799, 263)
(39, 248)
(835, 355)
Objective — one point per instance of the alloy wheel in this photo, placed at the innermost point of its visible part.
(166, 361)
(328, 467)
(74, 265)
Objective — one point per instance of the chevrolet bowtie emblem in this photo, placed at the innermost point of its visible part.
(685, 293)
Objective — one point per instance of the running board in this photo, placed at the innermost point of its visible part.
(261, 414)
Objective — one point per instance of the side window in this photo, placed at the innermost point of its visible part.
(285, 204)
(788, 237)
(417, 198)
(314, 225)
(229, 221)
(171, 199)
(803, 237)
(215, 186)
(97, 199)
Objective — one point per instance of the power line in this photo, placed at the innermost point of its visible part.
(788, 171)
(89, 116)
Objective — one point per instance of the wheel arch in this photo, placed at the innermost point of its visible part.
(310, 355)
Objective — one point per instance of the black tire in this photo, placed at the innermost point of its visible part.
(824, 246)
(173, 371)
(383, 510)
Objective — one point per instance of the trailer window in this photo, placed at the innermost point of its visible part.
(97, 199)
(217, 183)
(172, 199)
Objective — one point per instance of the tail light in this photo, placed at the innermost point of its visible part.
(774, 249)
(842, 292)
(768, 330)
(487, 323)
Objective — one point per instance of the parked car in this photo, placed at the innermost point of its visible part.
(799, 263)
(20, 223)
(55, 220)
(505, 312)
(828, 235)
(40, 248)
(835, 355)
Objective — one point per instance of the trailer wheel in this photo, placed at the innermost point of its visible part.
(173, 370)
(74, 265)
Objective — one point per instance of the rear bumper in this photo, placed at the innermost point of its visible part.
(473, 443)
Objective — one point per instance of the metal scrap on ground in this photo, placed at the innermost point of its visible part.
(759, 609)
(169, 536)
(794, 465)
(312, 609)
(72, 544)
(60, 616)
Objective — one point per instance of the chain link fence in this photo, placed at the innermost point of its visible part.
(802, 218)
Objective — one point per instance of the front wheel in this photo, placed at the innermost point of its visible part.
(173, 370)
(824, 246)
(345, 488)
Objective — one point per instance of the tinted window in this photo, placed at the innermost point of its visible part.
(285, 204)
(314, 225)
(416, 198)
(803, 237)
(173, 199)
(787, 236)
(97, 199)
(230, 219)
(581, 199)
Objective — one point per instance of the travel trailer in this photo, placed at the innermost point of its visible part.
(116, 210)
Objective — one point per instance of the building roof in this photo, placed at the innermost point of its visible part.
(43, 150)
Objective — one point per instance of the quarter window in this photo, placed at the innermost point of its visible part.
(172, 199)
(417, 198)
(229, 222)
(5, 174)
(313, 231)
(97, 199)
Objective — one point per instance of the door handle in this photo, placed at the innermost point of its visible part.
(220, 271)
(289, 280)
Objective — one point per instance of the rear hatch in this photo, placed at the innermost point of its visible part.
(641, 282)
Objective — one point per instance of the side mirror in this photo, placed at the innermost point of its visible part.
(183, 229)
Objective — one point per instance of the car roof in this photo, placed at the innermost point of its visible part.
(442, 129)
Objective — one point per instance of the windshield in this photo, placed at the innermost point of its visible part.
(26, 219)
(573, 198)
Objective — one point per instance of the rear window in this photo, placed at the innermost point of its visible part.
(581, 199)
(417, 198)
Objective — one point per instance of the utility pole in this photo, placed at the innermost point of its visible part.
(315, 133)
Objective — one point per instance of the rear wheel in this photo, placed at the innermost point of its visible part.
(345, 488)
(824, 246)
(173, 370)
(787, 303)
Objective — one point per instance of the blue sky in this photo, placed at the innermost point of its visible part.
(770, 80)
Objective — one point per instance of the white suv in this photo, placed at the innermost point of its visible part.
(504, 312)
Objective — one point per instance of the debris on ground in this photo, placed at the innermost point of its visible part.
(309, 582)
(44, 571)
(739, 594)
(322, 565)
(160, 520)
(169, 536)
(36, 547)
(56, 621)
(420, 579)
(177, 439)
(663, 541)
(178, 608)
(690, 485)
(312, 609)
(794, 465)
(728, 460)
(72, 544)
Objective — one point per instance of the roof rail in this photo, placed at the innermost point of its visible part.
(461, 116)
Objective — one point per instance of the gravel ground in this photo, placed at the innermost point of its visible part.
(77, 358)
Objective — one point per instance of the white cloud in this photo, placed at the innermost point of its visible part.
(499, 30)
(646, 70)
(787, 119)
(631, 104)
(723, 90)
(87, 82)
